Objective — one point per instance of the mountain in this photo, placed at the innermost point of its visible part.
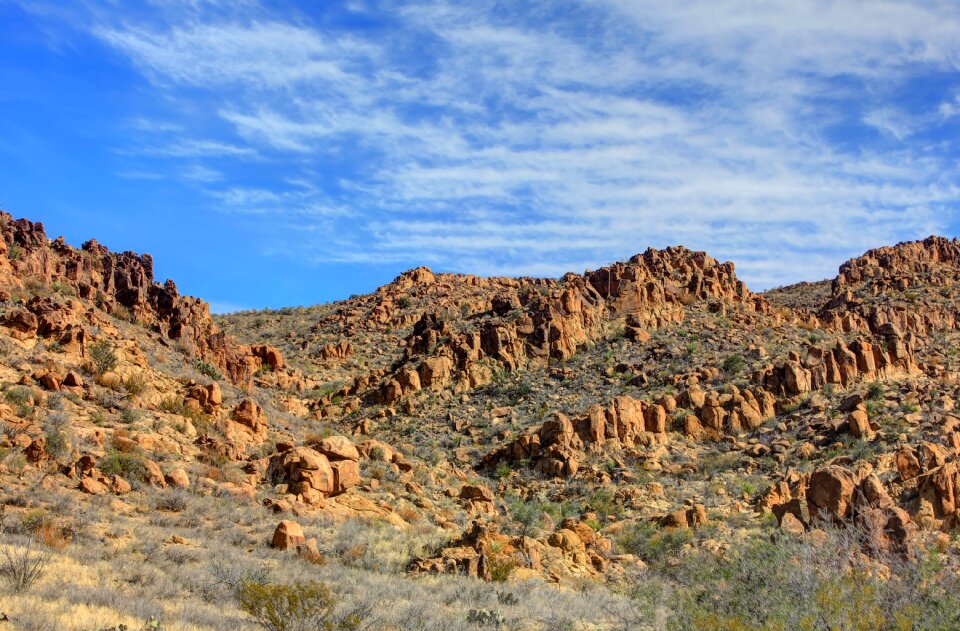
(645, 445)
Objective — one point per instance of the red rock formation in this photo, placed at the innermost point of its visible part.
(557, 447)
(865, 286)
(116, 283)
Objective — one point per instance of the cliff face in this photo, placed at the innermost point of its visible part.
(119, 284)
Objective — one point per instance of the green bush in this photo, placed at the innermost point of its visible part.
(19, 395)
(790, 583)
(298, 607)
(103, 355)
(135, 385)
(501, 568)
(486, 618)
(207, 370)
(734, 364)
(652, 544)
(875, 390)
(57, 443)
(129, 466)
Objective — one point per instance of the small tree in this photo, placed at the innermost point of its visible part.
(104, 356)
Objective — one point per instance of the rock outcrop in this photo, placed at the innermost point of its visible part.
(118, 283)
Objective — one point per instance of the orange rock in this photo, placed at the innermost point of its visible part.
(830, 492)
(859, 425)
(287, 535)
(92, 486)
(337, 448)
(178, 478)
(346, 474)
(476, 492)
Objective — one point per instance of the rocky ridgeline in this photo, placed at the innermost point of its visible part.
(893, 267)
(844, 364)
(558, 447)
(907, 285)
(652, 288)
(520, 323)
(117, 284)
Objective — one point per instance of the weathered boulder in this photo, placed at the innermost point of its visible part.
(287, 535)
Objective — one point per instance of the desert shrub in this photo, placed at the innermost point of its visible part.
(235, 576)
(173, 405)
(135, 385)
(130, 415)
(875, 390)
(404, 302)
(486, 618)
(207, 370)
(528, 515)
(788, 583)
(130, 466)
(301, 606)
(104, 356)
(58, 443)
(603, 502)
(650, 543)
(734, 364)
(19, 395)
(62, 288)
(507, 598)
(22, 397)
(502, 470)
(22, 567)
(501, 568)
(172, 500)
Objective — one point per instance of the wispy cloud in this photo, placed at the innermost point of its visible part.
(195, 148)
(552, 136)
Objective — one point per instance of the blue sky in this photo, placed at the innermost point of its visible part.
(285, 153)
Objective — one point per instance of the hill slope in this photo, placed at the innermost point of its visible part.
(584, 452)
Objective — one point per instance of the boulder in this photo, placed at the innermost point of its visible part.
(337, 448)
(178, 478)
(859, 425)
(346, 474)
(830, 493)
(287, 535)
(476, 492)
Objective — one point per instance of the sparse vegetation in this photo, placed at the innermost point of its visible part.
(299, 607)
(207, 370)
(734, 364)
(103, 355)
(23, 566)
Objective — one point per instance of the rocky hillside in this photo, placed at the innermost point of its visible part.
(646, 445)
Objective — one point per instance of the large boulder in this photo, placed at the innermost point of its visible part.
(830, 493)
(337, 448)
(287, 535)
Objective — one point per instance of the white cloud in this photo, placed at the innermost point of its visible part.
(200, 173)
(524, 143)
(193, 148)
